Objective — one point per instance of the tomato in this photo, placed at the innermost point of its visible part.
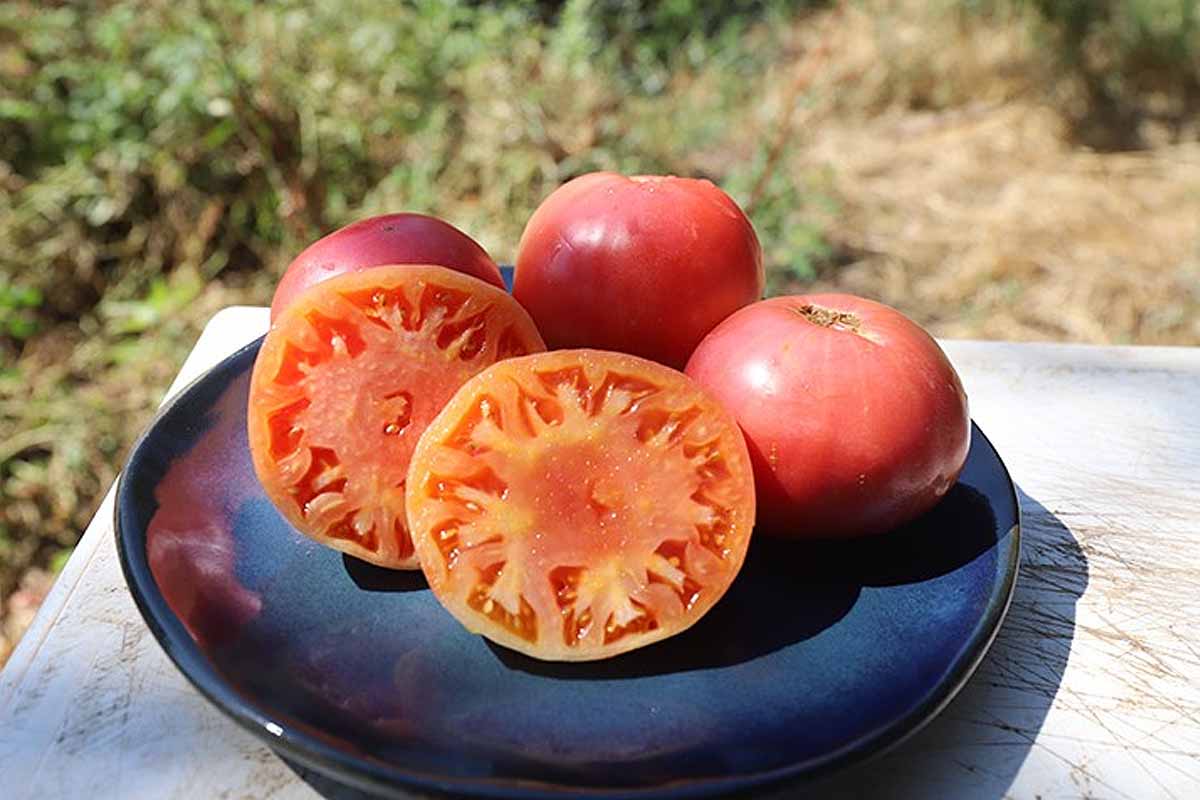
(347, 379)
(644, 265)
(577, 504)
(855, 418)
(387, 239)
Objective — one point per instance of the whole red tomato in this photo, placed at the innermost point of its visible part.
(855, 419)
(386, 239)
(644, 265)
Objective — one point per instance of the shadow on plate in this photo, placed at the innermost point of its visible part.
(790, 591)
(371, 578)
(1010, 695)
(817, 583)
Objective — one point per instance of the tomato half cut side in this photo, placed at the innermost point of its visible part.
(577, 504)
(349, 376)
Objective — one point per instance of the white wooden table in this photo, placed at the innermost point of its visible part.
(1092, 688)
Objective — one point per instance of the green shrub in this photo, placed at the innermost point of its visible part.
(1137, 34)
(1138, 61)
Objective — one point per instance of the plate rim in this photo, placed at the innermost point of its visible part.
(391, 779)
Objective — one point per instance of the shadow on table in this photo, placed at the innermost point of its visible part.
(1005, 703)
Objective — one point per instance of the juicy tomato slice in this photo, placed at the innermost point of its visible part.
(577, 504)
(347, 379)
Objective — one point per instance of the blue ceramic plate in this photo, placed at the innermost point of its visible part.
(818, 656)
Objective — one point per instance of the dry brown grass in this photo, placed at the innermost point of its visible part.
(965, 202)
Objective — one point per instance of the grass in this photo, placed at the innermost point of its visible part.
(968, 195)
(159, 160)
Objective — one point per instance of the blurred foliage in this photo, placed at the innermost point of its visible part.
(1137, 37)
(160, 159)
(18, 305)
(1138, 61)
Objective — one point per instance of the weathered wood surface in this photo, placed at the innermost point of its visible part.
(1092, 688)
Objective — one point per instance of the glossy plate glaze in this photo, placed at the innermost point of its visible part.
(819, 655)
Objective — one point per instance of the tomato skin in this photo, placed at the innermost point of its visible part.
(386, 239)
(850, 435)
(577, 504)
(644, 265)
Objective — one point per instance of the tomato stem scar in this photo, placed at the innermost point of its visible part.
(830, 318)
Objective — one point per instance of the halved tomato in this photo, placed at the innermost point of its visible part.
(347, 379)
(577, 504)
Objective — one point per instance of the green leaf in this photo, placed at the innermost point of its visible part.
(14, 109)
(60, 559)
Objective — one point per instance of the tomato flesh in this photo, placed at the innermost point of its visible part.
(578, 504)
(347, 379)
